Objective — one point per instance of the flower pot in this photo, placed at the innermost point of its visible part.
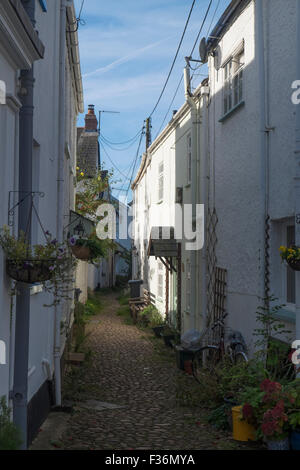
(242, 431)
(30, 271)
(294, 264)
(157, 330)
(280, 444)
(230, 403)
(81, 252)
(183, 355)
(168, 340)
(295, 440)
(188, 367)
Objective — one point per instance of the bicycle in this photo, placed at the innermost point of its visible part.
(207, 357)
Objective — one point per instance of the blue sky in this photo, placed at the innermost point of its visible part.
(126, 50)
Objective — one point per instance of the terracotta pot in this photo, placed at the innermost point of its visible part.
(81, 252)
(29, 271)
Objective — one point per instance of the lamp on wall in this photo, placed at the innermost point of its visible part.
(79, 230)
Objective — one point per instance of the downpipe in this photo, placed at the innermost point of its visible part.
(264, 148)
(297, 188)
(203, 194)
(60, 189)
(194, 119)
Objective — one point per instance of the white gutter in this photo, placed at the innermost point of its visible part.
(297, 187)
(60, 188)
(194, 121)
(74, 56)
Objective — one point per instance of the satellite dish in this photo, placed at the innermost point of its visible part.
(203, 51)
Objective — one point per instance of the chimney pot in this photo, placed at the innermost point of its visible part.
(91, 123)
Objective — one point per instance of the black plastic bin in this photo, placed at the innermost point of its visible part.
(183, 355)
(135, 288)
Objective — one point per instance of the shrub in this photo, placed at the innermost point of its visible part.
(10, 436)
(150, 316)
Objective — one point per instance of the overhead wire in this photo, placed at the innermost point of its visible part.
(112, 162)
(125, 141)
(174, 60)
(115, 149)
(181, 78)
(135, 162)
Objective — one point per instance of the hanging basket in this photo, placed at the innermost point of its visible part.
(294, 264)
(30, 271)
(81, 252)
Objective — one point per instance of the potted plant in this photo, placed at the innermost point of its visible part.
(88, 249)
(294, 414)
(50, 264)
(266, 409)
(31, 264)
(169, 335)
(291, 256)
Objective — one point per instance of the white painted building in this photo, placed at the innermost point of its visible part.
(163, 186)
(242, 168)
(251, 148)
(57, 101)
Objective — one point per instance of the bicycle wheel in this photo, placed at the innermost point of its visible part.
(240, 357)
(204, 362)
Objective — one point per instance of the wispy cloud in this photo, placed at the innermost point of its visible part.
(124, 59)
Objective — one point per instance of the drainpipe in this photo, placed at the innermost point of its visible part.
(60, 188)
(203, 193)
(264, 145)
(297, 188)
(20, 381)
(194, 118)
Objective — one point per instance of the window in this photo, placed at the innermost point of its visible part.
(160, 182)
(188, 286)
(233, 81)
(290, 273)
(160, 281)
(189, 158)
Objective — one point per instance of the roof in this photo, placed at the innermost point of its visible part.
(233, 10)
(87, 151)
(27, 25)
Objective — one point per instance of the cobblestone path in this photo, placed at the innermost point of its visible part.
(131, 369)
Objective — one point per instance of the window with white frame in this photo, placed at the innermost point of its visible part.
(188, 287)
(189, 158)
(160, 181)
(160, 281)
(233, 81)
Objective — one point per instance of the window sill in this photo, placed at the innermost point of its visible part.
(287, 314)
(232, 111)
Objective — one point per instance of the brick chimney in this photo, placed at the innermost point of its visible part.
(91, 123)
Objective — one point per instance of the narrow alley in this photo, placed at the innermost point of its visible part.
(136, 374)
